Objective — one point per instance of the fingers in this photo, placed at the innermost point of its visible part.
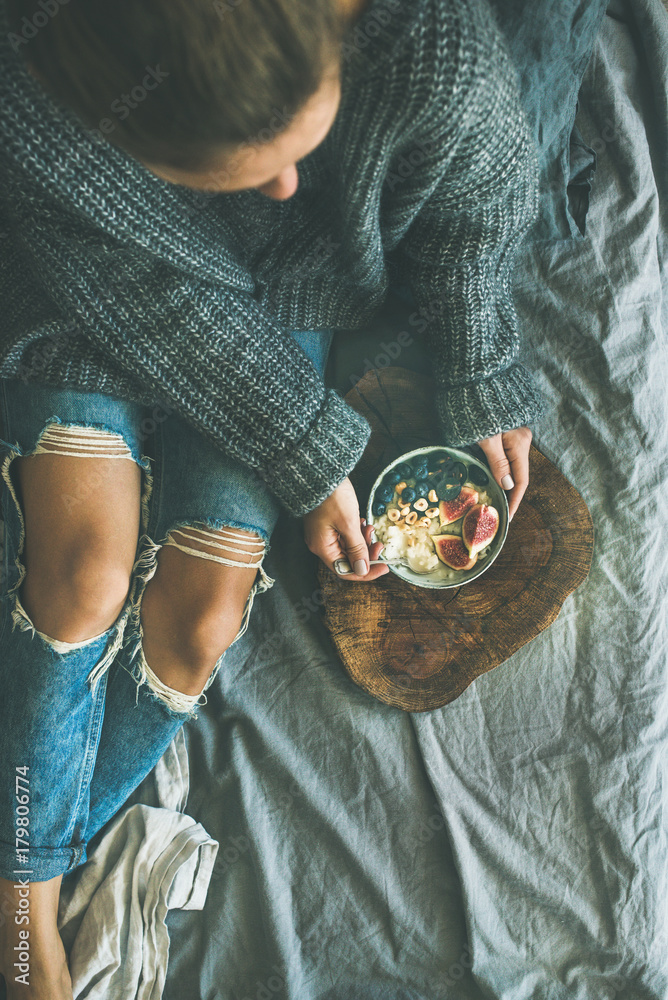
(357, 549)
(508, 457)
(373, 549)
(334, 531)
(334, 551)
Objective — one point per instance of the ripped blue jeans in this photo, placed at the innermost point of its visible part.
(83, 723)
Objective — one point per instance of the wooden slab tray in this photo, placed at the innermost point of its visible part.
(419, 649)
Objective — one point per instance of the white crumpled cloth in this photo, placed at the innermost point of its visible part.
(150, 859)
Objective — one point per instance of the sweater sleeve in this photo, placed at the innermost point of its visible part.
(460, 249)
(220, 360)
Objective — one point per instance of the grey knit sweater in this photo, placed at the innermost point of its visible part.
(115, 281)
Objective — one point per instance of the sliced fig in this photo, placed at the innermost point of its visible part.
(451, 550)
(479, 527)
(452, 510)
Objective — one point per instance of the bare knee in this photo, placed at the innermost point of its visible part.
(193, 645)
(81, 511)
(193, 608)
(76, 596)
(183, 644)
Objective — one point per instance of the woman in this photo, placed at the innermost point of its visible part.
(195, 198)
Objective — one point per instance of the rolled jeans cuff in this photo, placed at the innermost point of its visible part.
(42, 863)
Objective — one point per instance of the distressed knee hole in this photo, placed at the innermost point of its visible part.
(22, 621)
(172, 698)
(241, 548)
(77, 441)
(82, 442)
(227, 546)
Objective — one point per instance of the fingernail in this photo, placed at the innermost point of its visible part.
(361, 568)
(507, 482)
(342, 566)
(364, 521)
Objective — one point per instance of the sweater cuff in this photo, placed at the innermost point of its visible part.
(323, 458)
(469, 413)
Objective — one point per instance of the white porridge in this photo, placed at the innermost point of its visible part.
(408, 527)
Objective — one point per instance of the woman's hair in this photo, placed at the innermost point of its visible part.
(172, 81)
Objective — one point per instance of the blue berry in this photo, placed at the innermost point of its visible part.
(408, 495)
(392, 478)
(384, 493)
(378, 509)
(422, 487)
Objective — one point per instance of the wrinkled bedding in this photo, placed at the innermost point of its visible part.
(511, 845)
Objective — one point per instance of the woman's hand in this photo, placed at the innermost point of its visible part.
(508, 455)
(335, 530)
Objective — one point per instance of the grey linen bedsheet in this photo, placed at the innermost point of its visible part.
(511, 845)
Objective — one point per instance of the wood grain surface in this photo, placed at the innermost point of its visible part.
(418, 649)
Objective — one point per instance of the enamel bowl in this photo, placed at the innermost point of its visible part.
(444, 578)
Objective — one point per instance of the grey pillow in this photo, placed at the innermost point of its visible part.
(551, 42)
